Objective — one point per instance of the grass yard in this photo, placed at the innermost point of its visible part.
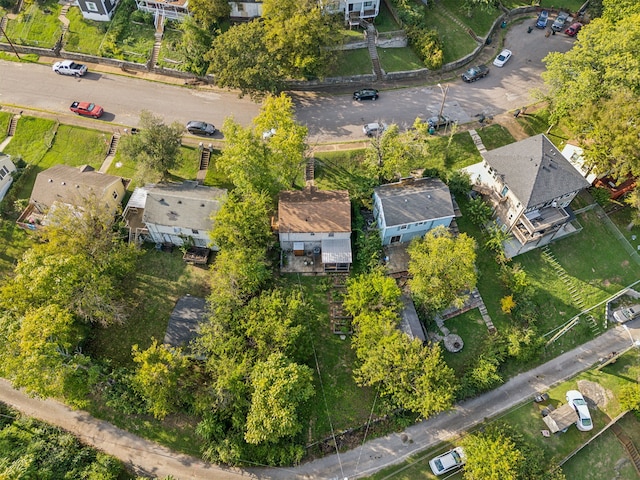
(13, 243)
(399, 59)
(352, 62)
(5, 119)
(84, 36)
(37, 24)
(33, 138)
(186, 169)
(385, 22)
(477, 19)
(495, 136)
(126, 38)
(161, 280)
(473, 332)
(76, 146)
(339, 402)
(456, 41)
(169, 56)
(602, 459)
(569, 5)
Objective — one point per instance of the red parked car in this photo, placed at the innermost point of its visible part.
(573, 30)
(87, 109)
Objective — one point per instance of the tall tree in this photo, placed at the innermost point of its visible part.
(195, 42)
(392, 155)
(39, 353)
(209, 13)
(156, 147)
(280, 387)
(243, 220)
(442, 268)
(595, 67)
(491, 455)
(162, 378)
(288, 144)
(240, 59)
(300, 36)
(370, 292)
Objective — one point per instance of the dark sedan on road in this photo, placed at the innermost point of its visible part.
(366, 94)
(475, 73)
(201, 128)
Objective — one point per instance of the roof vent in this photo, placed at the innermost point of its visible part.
(63, 183)
(50, 180)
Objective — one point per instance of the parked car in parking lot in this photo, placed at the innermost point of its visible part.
(573, 30)
(559, 22)
(502, 58)
(374, 129)
(439, 121)
(475, 73)
(366, 94)
(543, 18)
(576, 400)
(67, 67)
(625, 314)
(447, 461)
(200, 128)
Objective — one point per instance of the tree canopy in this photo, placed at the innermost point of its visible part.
(442, 268)
(156, 147)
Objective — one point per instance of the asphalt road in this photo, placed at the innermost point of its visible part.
(330, 118)
(152, 459)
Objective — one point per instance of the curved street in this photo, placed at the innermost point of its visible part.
(148, 458)
(330, 118)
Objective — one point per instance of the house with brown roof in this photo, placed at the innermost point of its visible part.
(530, 185)
(62, 184)
(315, 225)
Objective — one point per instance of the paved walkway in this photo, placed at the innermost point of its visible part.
(151, 459)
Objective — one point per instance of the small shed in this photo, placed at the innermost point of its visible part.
(185, 319)
(560, 419)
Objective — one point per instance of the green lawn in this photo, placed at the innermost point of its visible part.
(5, 119)
(352, 62)
(456, 42)
(477, 19)
(495, 136)
(169, 56)
(76, 146)
(37, 24)
(399, 59)
(384, 22)
(34, 136)
(84, 36)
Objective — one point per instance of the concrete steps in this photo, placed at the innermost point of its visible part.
(13, 124)
(628, 445)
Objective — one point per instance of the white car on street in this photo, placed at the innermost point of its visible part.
(447, 461)
(576, 400)
(67, 67)
(503, 58)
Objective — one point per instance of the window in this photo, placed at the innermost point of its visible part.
(115, 195)
(403, 227)
(3, 172)
(504, 191)
(240, 7)
(195, 232)
(91, 6)
(331, 234)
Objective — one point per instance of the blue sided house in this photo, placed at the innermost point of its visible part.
(410, 208)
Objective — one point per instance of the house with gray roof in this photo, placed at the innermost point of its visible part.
(530, 185)
(73, 186)
(6, 174)
(411, 207)
(174, 213)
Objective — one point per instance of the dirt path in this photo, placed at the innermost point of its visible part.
(143, 456)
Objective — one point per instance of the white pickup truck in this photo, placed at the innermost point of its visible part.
(67, 67)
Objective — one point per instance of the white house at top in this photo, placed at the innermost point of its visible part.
(173, 213)
(410, 208)
(6, 178)
(530, 184)
(98, 10)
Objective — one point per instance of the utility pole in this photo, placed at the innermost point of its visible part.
(444, 91)
(10, 43)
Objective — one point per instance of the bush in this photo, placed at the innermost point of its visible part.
(427, 45)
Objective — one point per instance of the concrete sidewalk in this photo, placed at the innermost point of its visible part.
(152, 459)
